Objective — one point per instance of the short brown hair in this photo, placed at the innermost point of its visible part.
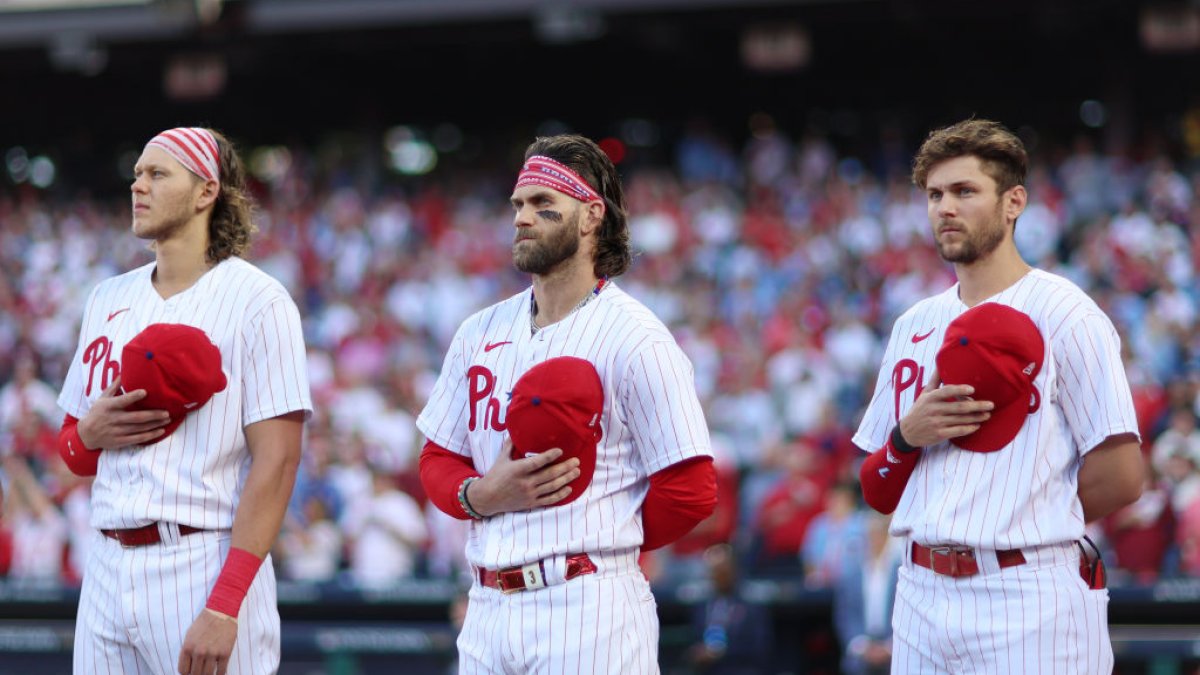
(1000, 152)
(584, 157)
(232, 223)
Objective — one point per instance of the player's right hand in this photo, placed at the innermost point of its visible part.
(522, 484)
(208, 644)
(109, 425)
(941, 413)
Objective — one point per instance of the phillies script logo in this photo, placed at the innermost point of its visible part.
(97, 356)
(907, 375)
(481, 383)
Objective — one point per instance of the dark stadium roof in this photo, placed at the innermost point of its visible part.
(289, 68)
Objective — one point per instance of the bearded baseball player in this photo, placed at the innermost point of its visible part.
(186, 399)
(566, 426)
(1001, 424)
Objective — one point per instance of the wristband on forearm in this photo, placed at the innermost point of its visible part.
(462, 498)
(234, 582)
(899, 443)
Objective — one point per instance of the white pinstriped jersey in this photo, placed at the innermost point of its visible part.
(1026, 493)
(194, 476)
(652, 419)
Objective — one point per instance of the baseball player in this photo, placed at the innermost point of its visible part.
(1001, 424)
(186, 399)
(589, 383)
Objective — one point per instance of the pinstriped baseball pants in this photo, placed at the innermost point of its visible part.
(592, 624)
(137, 604)
(1037, 618)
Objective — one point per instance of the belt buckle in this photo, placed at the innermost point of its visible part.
(500, 583)
(951, 553)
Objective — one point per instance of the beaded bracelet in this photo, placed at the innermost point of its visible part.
(462, 498)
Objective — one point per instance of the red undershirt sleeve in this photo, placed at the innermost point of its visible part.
(80, 459)
(442, 472)
(680, 496)
(884, 475)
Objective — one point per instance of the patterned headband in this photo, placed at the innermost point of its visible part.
(541, 170)
(193, 147)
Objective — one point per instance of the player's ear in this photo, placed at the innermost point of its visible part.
(593, 217)
(208, 195)
(1014, 202)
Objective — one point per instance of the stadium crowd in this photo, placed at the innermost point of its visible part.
(779, 266)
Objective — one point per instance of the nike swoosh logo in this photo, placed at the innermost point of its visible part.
(917, 338)
(114, 314)
(490, 347)
(884, 471)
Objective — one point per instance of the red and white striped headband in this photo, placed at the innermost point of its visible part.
(541, 170)
(193, 147)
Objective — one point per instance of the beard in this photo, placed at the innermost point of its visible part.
(540, 256)
(977, 244)
(162, 226)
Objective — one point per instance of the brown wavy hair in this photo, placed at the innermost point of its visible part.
(584, 157)
(232, 224)
(1001, 154)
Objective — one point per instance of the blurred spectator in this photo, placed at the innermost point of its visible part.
(39, 529)
(1180, 438)
(445, 556)
(311, 546)
(386, 533)
(26, 395)
(29, 414)
(1182, 478)
(733, 636)
(458, 618)
(74, 494)
(786, 513)
(1141, 533)
(863, 597)
(1188, 538)
(835, 538)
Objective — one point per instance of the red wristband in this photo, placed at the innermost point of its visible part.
(80, 459)
(236, 576)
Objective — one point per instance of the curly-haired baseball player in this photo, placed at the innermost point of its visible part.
(609, 451)
(1001, 423)
(186, 399)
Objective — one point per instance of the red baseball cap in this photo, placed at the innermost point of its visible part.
(999, 351)
(177, 365)
(558, 404)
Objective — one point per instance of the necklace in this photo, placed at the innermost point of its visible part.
(534, 328)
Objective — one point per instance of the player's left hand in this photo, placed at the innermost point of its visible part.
(208, 644)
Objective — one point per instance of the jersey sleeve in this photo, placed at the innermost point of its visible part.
(1093, 391)
(880, 415)
(443, 420)
(275, 367)
(73, 399)
(661, 408)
